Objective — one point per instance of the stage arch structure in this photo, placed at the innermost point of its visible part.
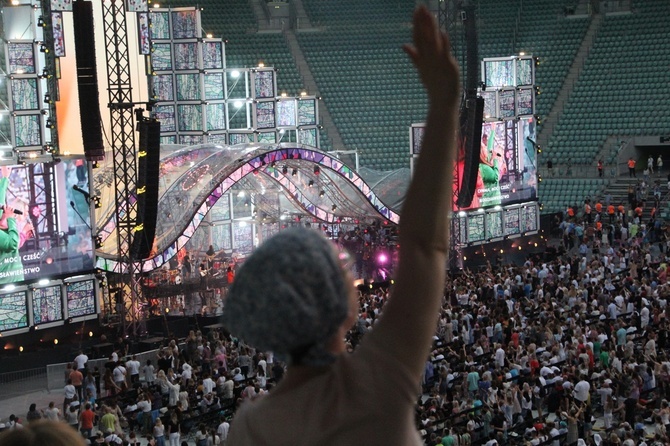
(309, 183)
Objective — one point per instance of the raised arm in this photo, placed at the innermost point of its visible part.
(409, 320)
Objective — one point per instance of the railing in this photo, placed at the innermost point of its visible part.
(55, 373)
(16, 383)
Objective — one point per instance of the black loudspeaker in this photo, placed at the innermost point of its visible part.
(147, 188)
(472, 61)
(87, 80)
(474, 111)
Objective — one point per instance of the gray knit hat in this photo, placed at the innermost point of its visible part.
(289, 297)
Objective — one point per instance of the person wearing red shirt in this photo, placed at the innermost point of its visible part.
(515, 338)
(86, 419)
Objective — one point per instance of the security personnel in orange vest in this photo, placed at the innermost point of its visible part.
(599, 207)
(631, 167)
(610, 212)
(587, 211)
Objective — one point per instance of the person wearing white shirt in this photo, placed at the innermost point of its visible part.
(644, 317)
(581, 391)
(149, 375)
(133, 368)
(81, 361)
(52, 412)
(144, 406)
(222, 430)
(187, 372)
(119, 374)
(500, 356)
(208, 385)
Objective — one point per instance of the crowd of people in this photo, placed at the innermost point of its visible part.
(190, 391)
(530, 354)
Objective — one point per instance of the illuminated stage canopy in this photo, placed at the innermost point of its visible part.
(311, 183)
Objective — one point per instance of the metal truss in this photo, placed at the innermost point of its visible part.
(124, 161)
(41, 183)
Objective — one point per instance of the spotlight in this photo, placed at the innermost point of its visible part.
(261, 64)
(294, 173)
(303, 93)
(40, 22)
(44, 49)
(210, 35)
(283, 94)
(538, 91)
(539, 178)
(98, 242)
(47, 98)
(284, 170)
(539, 149)
(317, 170)
(333, 208)
(234, 74)
(50, 123)
(237, 104)
(311, 183)
(56, 341)
(382, 258)
(322, 193)
(20, 347)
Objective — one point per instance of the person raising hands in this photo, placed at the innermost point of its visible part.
(293, 296)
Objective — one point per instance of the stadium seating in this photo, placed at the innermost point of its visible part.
(623, 87)
(556, 194)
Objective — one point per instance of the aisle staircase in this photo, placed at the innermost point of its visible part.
(569, 82)
(618, 188)
(333, 139)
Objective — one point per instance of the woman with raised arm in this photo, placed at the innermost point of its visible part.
(293, 297)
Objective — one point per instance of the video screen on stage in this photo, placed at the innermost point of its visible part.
(80, 298)
(13, 311)
(45, 223)
(417, 138)
(499, 73)
(507, 171)
(47, 305)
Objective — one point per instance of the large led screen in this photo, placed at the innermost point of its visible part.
(80, 298)
(45, 224)
(47, 305)
(13, 311)
(507, 165)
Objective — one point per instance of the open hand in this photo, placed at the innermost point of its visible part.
(432, 57)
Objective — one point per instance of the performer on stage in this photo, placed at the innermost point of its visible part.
(211, 255)
(186, 267)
